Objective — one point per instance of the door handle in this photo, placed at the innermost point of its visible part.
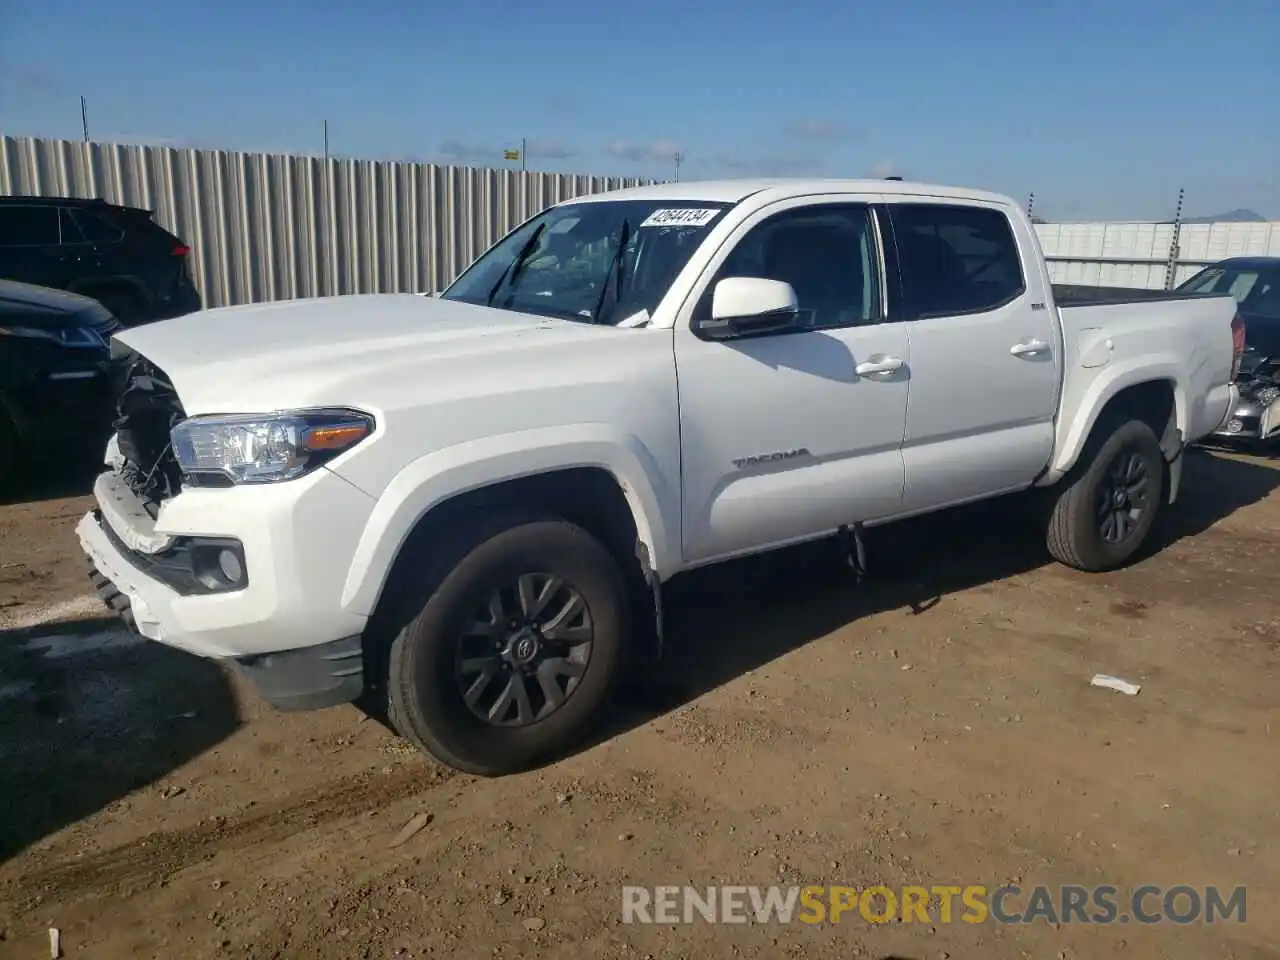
(1029, 349)
(870, 368)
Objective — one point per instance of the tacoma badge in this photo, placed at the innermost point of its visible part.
(770, 457)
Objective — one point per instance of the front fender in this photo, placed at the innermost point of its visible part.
(430, 480)
(1108, 382)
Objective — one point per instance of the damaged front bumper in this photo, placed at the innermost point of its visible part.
(1254, 416)
(263, 593)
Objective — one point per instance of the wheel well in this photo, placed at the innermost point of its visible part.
(589, 497)
(1152, 402)
(586, 496)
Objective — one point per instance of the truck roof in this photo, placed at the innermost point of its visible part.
(733, 191)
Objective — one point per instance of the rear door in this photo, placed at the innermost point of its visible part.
(985, 356)
(30, 245)
(80, 255)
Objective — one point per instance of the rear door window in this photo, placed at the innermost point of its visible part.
(956, 259)
(28, 226)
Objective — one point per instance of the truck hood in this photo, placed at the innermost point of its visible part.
(331, 350)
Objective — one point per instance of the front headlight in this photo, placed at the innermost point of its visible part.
(85, 337)
(266, 448)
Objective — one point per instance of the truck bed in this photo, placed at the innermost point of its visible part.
(1083, 295)
(1111, 340)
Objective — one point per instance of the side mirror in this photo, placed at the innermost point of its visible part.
(750, 306)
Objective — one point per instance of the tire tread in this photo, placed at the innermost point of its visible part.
(1074, 503)
(449, 555)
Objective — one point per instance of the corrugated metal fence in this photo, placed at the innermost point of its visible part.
(1138, 254)
(272, 227)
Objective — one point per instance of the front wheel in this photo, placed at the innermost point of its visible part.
(515, 652)
(1104, 513)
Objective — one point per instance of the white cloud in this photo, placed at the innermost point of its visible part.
(548, 149)
(817, 128)
(660, 150)
(459, 150)
(770, 165)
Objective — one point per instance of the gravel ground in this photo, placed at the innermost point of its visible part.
(935, 726)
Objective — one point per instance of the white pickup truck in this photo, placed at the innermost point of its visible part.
(465, 507)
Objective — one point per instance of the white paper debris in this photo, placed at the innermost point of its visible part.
(55, 943)
(1115, 683)
(414, 825)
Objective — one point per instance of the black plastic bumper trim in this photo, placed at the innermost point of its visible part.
(187, 566)
(311, 678)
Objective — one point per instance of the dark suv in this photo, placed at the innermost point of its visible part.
(117, 255)
(55, 385)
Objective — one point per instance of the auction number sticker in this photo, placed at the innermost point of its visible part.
(684, 217)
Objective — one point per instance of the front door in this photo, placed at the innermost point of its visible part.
(985, 357)
(788, 436)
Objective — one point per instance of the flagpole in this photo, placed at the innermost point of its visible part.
(522, 155)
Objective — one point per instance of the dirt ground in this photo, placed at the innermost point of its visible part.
(935, 726)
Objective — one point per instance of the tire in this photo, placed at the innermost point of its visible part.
(425, 698)
(1076, 533)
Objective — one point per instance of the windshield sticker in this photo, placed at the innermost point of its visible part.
(687, 217)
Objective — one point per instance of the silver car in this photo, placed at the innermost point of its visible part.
(1257, 414)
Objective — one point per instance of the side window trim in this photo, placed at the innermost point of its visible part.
(69, 232)
(894, 308)
(879, 251)
(909, 311)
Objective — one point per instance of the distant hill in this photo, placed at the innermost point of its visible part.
(1235, 216)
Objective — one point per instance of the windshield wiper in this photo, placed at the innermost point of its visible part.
(615, 266)
(515, 266)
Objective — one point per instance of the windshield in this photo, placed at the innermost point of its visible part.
(1256, 288)
(598, 262)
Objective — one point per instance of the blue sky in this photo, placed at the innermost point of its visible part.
(1103, 109)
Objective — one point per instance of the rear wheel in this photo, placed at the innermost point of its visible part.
(1104, 512)
(516, 651)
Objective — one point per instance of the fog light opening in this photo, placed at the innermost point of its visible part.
(230, 566)
(1235, 426)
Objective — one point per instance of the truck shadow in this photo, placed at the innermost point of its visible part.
(89, 713)
(731, 620)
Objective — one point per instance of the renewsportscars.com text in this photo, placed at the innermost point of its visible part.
(975, 903)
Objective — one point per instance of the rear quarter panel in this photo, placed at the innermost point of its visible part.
(1111, 346)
